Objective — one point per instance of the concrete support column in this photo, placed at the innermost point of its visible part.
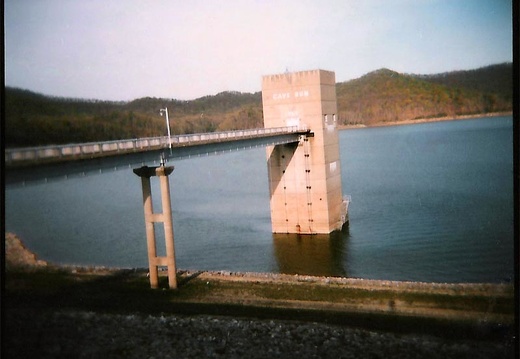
(150, 232)
(168, 226)
(151, 218)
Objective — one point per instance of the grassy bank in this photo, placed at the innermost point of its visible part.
(466, 310)
(483, 311)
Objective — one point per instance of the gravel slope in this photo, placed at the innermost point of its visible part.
(93, 335)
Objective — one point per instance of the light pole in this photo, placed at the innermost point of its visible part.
(165, 110)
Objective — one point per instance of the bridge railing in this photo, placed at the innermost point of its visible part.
(79, 149)
(344, 208)
(13, 155)
(237, 134)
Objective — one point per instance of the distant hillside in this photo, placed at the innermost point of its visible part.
(386, 95)
(494, 79)
(33, 119)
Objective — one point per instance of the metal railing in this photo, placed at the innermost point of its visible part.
(344, 208)
(13, 155)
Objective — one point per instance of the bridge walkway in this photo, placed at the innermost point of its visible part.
(78, 151)
(36, 164)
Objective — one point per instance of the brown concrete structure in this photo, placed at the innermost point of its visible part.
(304, 178)
(154, 262)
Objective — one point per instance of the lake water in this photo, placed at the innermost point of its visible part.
(430, 202)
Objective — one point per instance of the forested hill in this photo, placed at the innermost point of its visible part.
(496, 79)
(385, 95)
(33, 119)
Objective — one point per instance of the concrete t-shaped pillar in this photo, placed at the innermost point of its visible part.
(165, 217)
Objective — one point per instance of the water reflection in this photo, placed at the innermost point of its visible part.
(320, 254)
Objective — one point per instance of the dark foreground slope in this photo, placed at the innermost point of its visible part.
(98, 312)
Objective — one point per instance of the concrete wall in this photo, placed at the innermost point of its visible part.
(304, 179)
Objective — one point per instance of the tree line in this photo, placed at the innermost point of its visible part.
(33, 119)
(385, 95)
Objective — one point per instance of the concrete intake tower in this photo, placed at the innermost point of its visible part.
(304, 177)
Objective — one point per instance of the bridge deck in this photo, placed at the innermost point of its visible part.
(24, 165)
(60, 153)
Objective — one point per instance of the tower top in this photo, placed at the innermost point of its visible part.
(309, 76)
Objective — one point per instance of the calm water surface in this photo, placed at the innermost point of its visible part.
(431, 202)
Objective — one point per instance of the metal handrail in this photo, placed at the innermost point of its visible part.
(91, 148)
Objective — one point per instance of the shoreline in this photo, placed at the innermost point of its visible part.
(483, 312)
(240, 293)
(425, 120)
(74, 311)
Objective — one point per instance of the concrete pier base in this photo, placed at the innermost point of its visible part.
(154, 262)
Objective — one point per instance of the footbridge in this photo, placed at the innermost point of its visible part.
(178, 146)
(57, 162)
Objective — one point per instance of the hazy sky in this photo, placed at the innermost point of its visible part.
(122, 50)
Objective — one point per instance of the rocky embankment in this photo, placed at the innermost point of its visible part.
(55, 312)
(18, 256)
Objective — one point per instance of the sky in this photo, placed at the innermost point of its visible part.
(123, 50)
